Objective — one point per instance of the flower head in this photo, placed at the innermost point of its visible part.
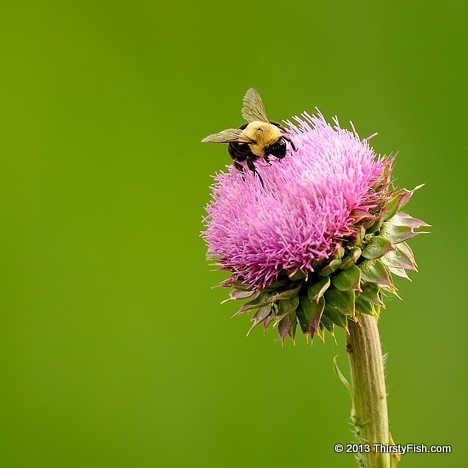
(317, 238)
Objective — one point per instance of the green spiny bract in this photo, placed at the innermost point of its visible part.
(353, 281)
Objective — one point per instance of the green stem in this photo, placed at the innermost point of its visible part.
(369, 395)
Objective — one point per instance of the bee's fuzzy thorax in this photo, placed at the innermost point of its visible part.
(264, 134)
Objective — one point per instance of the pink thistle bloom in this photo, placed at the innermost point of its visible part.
(305, 209)
(317, 243)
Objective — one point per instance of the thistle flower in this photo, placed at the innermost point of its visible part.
(317, 243)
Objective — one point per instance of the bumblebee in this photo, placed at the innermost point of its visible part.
(258, 138)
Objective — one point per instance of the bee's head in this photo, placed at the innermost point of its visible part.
(277, 149)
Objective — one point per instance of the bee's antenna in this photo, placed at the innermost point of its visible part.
(293, 146)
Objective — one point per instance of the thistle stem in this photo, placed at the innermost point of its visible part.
(369, 394)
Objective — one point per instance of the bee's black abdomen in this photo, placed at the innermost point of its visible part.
(240, 152)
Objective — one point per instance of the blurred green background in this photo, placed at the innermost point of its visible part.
(115, 351)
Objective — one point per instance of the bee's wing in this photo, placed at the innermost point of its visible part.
(253, 108)
(230, 135)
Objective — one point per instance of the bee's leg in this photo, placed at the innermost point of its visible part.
(240, 168)
(252, 167)
(267, 159)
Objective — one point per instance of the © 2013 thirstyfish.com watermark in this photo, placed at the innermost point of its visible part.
(400, 449)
